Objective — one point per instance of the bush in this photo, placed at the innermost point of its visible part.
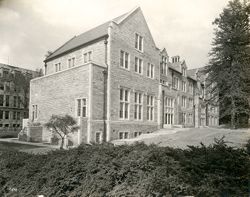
(9, 134)
(137, 170)
(248, 146)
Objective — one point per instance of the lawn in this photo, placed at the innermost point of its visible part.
(12, 146)
(15, 146)
(182, 138)
(195, 136)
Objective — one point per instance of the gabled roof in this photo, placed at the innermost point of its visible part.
(176, 66)
(191, 73)
(197, 72)
(80, 40)
(164, 52)
(88, 36)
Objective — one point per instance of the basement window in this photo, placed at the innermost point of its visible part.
(123, 135)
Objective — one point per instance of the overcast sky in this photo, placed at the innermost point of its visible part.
(29, 28)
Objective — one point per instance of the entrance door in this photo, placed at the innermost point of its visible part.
(169, 111)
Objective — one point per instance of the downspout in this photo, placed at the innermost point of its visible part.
(193, 102)
(45, 69)
(163, 106)
(108, 63)
(105, 76)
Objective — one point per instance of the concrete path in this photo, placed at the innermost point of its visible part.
(143, 137)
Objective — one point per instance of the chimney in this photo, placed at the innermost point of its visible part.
(175, 58)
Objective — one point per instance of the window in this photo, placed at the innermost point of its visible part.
(138, 106)
(190, 103)
(1, 125)
(138, 65)
(6, 125)
(203, 110)
(1, 100)
(7, 86)
(57, 67)
(164, 67)
(98, 137)
(87, 57)
(175, 83)
(183, 71)
(18, 115)
(190, 118)
(123, 135)
(1, 86)
(150, 108)
(71, 62)
(190, 87)
(183, 101)
(183, 118)
(169, 110)
(15, 101)
(82, 107)
(7, 100)
(19, 102)
(183, 86)
(150, 70)
(124, 59)
(25, 114)
(1, 115)
(202, 91)
(14, 115)
(6, 115)
(34, 112)
(5, 73)
(138, 42)
(163, 82)
(136, 134)
(124, 103)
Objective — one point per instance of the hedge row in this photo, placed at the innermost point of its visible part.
(136, 170)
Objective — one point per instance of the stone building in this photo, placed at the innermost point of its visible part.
(116, 82)
(14, 98)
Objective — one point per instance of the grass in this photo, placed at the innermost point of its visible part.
(16, 146)
(194, 136)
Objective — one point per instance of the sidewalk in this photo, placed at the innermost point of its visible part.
(161, 132)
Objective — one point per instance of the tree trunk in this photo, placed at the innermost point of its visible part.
(62, 143)
(233, 114)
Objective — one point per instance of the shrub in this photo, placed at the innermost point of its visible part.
(137, 170)
(248, 146)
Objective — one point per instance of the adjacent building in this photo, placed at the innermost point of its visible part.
(117, 84)
(14, 98)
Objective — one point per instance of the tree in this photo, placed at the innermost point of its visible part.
(230, 60)
(62, 126)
